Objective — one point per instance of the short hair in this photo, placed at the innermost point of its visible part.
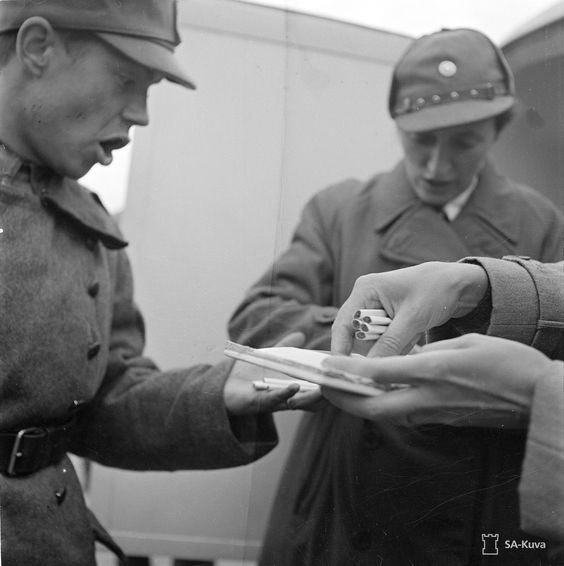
(501, 120)
(7, 46)
(74, 41)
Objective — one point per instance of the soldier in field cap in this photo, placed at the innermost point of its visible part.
(74, 76)
(363, 493)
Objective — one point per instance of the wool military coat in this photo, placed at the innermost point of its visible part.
(528, 306)
(365, 493)
(71, 335)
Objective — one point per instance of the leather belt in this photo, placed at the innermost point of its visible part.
(33, 448)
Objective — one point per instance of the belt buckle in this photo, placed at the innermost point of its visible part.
(15, 454)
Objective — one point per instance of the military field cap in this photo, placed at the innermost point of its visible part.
(143, 30)
(450, 78)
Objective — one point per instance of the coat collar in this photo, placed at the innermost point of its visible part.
(66, 196)
(392, 196)
(85, 209)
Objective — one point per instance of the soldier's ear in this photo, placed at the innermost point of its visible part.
(35, 44)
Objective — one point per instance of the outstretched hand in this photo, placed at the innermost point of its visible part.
(415, 298)
(472, 380)
(241, 398)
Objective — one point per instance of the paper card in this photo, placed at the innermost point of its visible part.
(304, 364)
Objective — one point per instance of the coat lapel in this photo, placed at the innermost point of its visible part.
(488, 223)
(83, 208)
(413, 233)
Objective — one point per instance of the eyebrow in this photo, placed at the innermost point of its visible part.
(469, 135)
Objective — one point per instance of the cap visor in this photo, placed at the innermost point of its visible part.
(453, 114)
(151, 54)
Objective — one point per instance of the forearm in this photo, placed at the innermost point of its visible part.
(542, 486)
(262, 322)
(146, 419)
(528, 302)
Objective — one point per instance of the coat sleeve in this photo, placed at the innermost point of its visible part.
(541, 490)
(296, 293)
(528, 306)
(142, 418)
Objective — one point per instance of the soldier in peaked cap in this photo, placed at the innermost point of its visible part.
(74, 77)
(361, 492)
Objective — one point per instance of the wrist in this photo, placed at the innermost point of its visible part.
(472, 284)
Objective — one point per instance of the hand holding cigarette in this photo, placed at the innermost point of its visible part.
(370, 324)
(251, 390)
(407, 302)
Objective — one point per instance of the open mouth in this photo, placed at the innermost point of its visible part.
(109, 145)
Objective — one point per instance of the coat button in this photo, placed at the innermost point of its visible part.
(60, 495)
(94, 289)
(94, 350)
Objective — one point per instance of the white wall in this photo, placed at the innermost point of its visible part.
(285, 105)
(532, 148)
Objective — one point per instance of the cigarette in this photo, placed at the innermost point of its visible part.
(375, 319)
(285, 382)
(356, 324)
(370, 312)
(373, 328)
(360, 335)
(269, 384)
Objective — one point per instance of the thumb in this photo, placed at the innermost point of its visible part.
(398, 338)
(295, 339)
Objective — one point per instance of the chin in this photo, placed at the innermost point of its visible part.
(74, 171)
(432, 200)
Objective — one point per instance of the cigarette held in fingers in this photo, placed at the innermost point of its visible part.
(375, 319)
(372, 328)
(270, 383)
(370, 312)
(370, 324)
(361, 335)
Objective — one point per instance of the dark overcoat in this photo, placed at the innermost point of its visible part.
(528, 300)
(364, 493)
(71, 335)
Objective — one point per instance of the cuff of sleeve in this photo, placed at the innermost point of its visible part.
(477, 320)
(229, 441)
(256, 435)
(514, 315)
(541, 488)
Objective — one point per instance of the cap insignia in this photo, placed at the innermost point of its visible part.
(447, 68)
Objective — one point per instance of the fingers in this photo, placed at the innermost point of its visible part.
(307, 401)
(460, 342)
(392, 405)
(297, 400)
(398, 338)
(363, 296)
(342, 334)
(390, 336)
(295, 340)
(389, 370)
(276, 399)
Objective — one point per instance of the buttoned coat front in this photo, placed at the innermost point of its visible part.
(365, 493)
(71, 334)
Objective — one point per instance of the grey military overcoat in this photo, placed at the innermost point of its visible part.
(70, 334)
